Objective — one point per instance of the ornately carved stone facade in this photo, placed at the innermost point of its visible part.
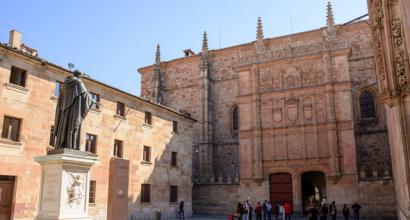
(390, 26)
(308, 113)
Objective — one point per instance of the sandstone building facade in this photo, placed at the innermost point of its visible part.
(294, 118)
(390, 25)
(144, 149)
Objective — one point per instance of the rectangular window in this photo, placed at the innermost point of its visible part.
(118, 148)
(148, 118)
(18, 76)
(11, 128)
(145, 193)
(91, 143)
(96, 99)
(146, 157)
(91, 197)
(174, 126)
(174, 159)
(120, 109)
(57, 88)
(52, 137)
(173, 194)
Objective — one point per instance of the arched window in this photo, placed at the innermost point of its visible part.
(367, 108)
(235, 118)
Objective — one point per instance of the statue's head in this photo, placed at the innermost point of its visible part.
(77, 73)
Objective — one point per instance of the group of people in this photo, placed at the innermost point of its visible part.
(245, 211)
(326, 210)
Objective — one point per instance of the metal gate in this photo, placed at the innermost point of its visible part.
(280, 188)
(6, 199)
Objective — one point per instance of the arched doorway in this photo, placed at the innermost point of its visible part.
(313, 188)
(280, 188)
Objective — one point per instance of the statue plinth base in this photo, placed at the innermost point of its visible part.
(65, 184)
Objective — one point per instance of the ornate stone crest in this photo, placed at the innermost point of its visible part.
(292, 108)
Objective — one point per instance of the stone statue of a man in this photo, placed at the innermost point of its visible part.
(73, 104)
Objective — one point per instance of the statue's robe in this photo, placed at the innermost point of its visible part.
(73, 104)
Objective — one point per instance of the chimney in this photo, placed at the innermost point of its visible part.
(15, 39)
(188, 52)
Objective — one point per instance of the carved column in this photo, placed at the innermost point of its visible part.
(257, 130)
(331, 120)
(390, 31)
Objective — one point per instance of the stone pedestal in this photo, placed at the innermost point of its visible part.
(65, 184)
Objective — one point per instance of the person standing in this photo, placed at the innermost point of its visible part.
(356, 210)
(250, 210)
(288, 210)
(312, 213)
(258, 211)
(276, 211)
(333, 210)
(245, 210)
(282, 211)
(346, 212)
(324, 211)
(269, 210)
(181, 210)
(239, 210)
(264, 208)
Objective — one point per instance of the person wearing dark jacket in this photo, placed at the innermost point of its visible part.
(181, 210)
(324, 211)
(240, 210)
(346, 212)
(333, 210)
(265, 210)
(356, 210)
(312, 213)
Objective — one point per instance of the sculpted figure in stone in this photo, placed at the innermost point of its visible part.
(73, 104)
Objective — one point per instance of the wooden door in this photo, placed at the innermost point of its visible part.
(281, 188)
(6, 199)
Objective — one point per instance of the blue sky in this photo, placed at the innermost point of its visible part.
(110, 40)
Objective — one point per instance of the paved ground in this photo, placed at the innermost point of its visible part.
(208, 217)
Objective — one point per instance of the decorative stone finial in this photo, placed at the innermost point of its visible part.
(205, 45)
(259, 30)
(158, 56)
(330, 22)
(205, 50)
(259, 35)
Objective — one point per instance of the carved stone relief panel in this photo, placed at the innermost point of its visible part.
(270, 78)
(311, 143)
(292, 105)
(279, 142)
(266, 113)
(295, 145)
(323, 143)
(277, 112)
(291, 78)
(307, 108)
(320, 108)
(399, 57)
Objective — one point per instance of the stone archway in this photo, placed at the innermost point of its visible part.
(280, 188)
(313, 188)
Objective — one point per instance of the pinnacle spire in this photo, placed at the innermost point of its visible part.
(259, 35)
(158, 56)
(205, 50)
(205, 44)
(330, 19)
(259, 30)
